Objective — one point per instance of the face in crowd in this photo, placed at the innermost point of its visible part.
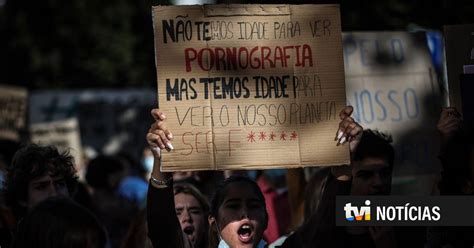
(191, 217)
(371, 176)
(240, 216)
(191, 209)
(372, 165)
(36, 174)
(44, 187)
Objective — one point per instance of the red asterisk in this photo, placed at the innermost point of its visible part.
(283, 135)
(272, 136)
(262, 136)
(293, 135)
(251, 137)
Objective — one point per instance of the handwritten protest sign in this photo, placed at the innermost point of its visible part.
(63, 134)
(390, 82)
(250, 86)
(13, 106)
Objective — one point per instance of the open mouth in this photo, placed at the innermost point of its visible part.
(245, 233)
(188, 230)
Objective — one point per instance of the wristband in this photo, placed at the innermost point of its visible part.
(161, 183)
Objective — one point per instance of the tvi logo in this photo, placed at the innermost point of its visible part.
(359, 214)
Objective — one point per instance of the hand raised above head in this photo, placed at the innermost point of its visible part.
(449, 123)
(158, 136)
(349, 130)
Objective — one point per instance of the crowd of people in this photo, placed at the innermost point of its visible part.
(124, 203)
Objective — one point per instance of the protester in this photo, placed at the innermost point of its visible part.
(238, 214)
(204, 181)
(7, 151)
(370, 173)
(137, 234)
(36, 174)
(192, 209)
(7, 219)
(457, 177)
(456, 154)
(59, 223)
(104, 175)
(134, 185)
(272, 183)
(314, 190)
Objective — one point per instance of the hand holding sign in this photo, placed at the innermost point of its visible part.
(158, 136)
(349, 130)
(449, 123)
(250, 86)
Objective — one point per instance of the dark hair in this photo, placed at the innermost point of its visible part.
(374, 144)
(187, 188)
(314, 191)
(33, 161)
(137, 234)
(219, 196)
(100, 169)
(60, 222)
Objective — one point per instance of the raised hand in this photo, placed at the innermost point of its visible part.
(349, 130)
(449, 123)
(158, 136)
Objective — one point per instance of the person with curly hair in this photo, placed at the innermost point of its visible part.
(36, 174)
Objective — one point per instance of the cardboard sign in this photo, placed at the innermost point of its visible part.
(62, 134)
(390, 82)
(13, 105)
(250, 86)
(459, 44)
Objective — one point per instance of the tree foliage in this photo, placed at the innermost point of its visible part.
(90, 43)
(78, 43)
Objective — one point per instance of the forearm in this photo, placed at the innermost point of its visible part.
(164, 229)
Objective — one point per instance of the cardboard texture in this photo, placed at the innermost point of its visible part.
(390, 81)
(459, 45)
(13, 107)
(250, 86)
(64, 135)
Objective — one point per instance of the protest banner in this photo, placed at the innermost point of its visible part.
(459, 45)
(13, 106)
(390, 81)
(64, 135)
(250, 86)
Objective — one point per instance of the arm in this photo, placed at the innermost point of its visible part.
(320, 228)
(164, 229)
(454, 173)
